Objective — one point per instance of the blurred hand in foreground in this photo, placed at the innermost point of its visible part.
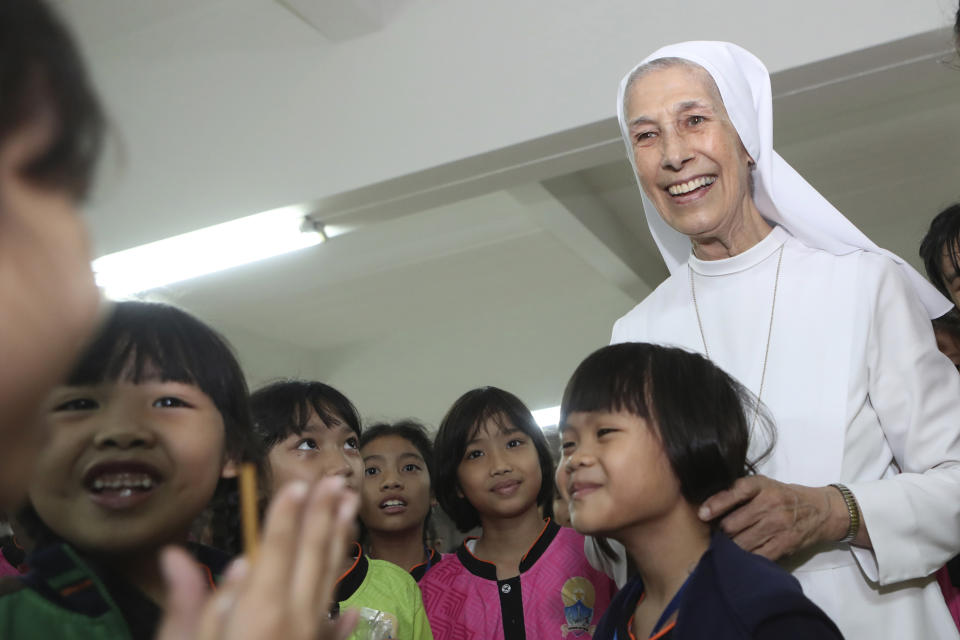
(287, 591)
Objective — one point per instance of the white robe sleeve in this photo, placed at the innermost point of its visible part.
(913, 517)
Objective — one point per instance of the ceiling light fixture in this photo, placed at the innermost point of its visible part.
(208, 250)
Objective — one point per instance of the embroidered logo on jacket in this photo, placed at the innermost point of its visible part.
(578, 599)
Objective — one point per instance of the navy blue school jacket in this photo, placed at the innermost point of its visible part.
(731, 595)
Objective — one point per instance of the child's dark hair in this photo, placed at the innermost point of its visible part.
(465, 417)
(416, 434)
(41, 69)
(283, 408)
(144, 341)
(942, 237)
(700, 413)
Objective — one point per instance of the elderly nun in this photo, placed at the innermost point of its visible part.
(861, 495)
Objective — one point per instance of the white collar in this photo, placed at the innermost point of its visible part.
(742, 261)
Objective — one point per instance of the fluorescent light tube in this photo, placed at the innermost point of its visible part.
(548, 417)
(189, 255)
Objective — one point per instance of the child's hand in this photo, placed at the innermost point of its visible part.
(287, 591)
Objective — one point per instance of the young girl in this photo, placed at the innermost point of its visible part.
(648, 433)
(309, 430)
(523, 577)
(397, 495)
(146, 430)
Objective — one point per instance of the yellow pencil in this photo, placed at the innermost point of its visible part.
(248, 510)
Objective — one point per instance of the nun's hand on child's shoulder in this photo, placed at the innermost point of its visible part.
(774, 519)
(287, 591)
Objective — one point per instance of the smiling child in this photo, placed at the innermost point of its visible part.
(640, 454)
(148, 426)
(524, 577)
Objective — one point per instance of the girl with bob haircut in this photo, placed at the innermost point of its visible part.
(148, 428)
(648, 433)
(398, 470)
(524, 576)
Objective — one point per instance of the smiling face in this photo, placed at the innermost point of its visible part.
(616, 473)
(688, 156)
(396, 485)
(500, 471)
(128, 467)
(321, 449)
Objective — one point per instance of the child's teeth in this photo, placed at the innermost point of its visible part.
(125, 482)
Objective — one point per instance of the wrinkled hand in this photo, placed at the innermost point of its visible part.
(287, 591)
(774, 519)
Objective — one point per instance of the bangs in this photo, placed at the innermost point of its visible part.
(410, 430)
(610, 381)
(153, 342)
(134, 359)
(490, 404)
(491, 414)
(305, 408)
(283, 408)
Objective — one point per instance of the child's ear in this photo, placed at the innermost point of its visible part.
(230, 469)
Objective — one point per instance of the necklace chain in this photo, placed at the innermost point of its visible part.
(766, 351)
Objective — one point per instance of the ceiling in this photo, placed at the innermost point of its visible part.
(505, 265)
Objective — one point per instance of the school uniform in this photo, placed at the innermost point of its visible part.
(387, 598)
(556, 595)
(66, 596)
(731, 595)
(420, 570)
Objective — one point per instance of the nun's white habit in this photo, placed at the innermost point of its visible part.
(859, 393)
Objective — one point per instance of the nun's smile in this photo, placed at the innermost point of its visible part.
(686, 191)
(688, 155)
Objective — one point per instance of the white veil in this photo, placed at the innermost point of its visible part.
(782, 195)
